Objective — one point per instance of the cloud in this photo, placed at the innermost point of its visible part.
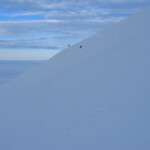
(38, 5)
(63, 24)
(23, 44)
(30, 5)
(57, 22)
(129, 1)
(26, 14)
(12, 28)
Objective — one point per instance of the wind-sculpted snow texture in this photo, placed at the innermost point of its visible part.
(92, 98)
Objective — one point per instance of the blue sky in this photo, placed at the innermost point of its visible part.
(35, 30)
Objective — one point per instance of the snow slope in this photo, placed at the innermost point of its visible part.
(90, 98)
(11, 69)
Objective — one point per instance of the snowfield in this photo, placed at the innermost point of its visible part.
(10, 69)
(92, 98)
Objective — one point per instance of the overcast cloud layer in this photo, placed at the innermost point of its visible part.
(52, 24)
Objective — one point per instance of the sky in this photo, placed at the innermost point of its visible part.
(38, 29)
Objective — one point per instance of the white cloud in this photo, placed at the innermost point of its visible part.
(38, 5)
(57, 30)
(25, 14)
(129, 1)
(119, 1)
(84, 21)
(61, 21)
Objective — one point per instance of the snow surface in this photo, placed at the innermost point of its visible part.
(91, 98)
(11, 69)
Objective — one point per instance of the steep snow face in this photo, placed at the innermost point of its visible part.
(94, 97)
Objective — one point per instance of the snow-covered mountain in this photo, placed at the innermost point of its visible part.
(92, 98)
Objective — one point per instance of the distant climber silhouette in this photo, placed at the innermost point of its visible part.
(80, 46)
